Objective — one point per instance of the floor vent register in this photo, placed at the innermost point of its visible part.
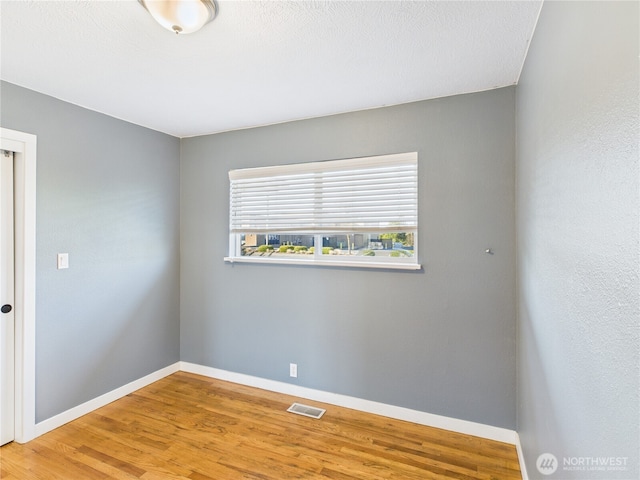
(306, 410)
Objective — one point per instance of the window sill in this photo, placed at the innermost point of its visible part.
(326, 263)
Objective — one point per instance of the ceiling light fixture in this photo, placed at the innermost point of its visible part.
(181, 16)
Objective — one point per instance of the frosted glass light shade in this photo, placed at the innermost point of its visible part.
(181, 16)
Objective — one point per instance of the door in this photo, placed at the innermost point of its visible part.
(7, 427)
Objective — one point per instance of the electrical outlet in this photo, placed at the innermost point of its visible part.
(293, 369)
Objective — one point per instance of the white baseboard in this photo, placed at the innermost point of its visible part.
(415, 416)
(523, 466)
(87, 407)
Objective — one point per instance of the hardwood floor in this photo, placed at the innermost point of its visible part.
(187, 426)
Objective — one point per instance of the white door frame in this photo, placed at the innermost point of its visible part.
(24, 147)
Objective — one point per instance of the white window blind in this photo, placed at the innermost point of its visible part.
(372, 194)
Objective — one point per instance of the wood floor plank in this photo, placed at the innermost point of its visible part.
(189, 427)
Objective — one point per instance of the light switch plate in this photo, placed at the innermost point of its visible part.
(63, 261)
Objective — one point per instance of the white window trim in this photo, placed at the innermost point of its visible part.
(318, 259)
(364, 263)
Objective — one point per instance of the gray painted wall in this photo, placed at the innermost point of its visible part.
(578, 242)
(440, 341)
(108, 194)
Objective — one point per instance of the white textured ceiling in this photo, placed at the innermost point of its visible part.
(261, 62)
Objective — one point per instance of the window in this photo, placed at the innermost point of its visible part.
(355, 212)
